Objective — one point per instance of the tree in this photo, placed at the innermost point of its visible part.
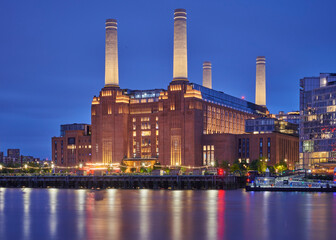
(262, 165)
(281, 166)
(238, 166)
(254, 165)
(167, 170)
(225, 165)
(123, 168)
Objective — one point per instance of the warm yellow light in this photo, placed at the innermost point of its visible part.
(26, 166)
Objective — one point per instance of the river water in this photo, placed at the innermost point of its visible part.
(163, 214)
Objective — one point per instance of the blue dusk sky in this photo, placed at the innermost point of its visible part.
(52, 55)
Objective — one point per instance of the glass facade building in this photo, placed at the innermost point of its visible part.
(268, 125)
(292, 117)
(318, 120)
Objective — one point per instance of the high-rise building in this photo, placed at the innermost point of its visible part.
(318, 121)
(14, 154)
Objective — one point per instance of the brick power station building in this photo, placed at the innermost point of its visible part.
(186, 124)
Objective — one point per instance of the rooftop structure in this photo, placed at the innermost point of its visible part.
(268, 125)
(292, 117)
(75, 126)
(260, 94)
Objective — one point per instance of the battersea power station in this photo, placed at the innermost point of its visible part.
(186, 124)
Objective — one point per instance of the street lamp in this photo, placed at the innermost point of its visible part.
(80, 165)
(0, 167)
(25, 166)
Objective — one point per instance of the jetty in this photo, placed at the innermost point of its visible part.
(202, 182)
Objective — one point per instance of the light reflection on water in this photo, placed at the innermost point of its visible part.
(26, 212)
(147, 214)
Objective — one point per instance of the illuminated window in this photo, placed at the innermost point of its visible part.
(157, 132)
(208, 154)
(145, 133)
(145, 119)
(175, 150)
(145, 125)
(134, 120)
(156, 118)
(134, 133)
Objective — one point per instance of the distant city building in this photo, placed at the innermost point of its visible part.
(1, 156)
(268, 125)
(73, 147)
(318, 120)
(14, 154)
(292, 117)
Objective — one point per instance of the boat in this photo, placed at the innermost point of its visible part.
(290, 184)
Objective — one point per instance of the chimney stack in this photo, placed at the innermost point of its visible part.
(111, 53)
(260, 93)
(180, 71)
(207, 78)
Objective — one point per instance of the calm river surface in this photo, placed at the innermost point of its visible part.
(149, 214)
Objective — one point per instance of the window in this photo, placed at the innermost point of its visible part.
(260, 147)
(71, 141)
(145, 133)
(145, 119)
(208, 155)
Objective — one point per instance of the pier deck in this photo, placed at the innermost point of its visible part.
(125, 182)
